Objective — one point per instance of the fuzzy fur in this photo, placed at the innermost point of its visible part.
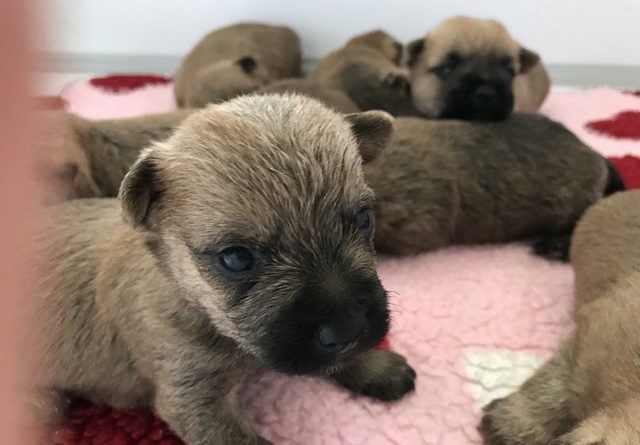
(81, 158)
(330, 96)
(142, 313)
(236, 60)
(367, 69)
(446, 181)
(589, 392)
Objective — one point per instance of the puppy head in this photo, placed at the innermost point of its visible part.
(60, 165)
(260, 212)
(374, 87)
(464, 69)
(225, 80)
(382, 42)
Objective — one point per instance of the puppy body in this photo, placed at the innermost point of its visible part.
(367, 69)
(235, 60)
(245, 247)
(81, 158)
(442, 182)
(589, 392)
(330, 96)
(472, 69)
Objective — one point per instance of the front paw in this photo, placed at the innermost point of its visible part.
(489, 426)
(382, 375)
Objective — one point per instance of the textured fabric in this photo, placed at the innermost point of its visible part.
(474, 321)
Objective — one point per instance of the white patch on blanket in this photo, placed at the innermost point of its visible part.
(496, 374)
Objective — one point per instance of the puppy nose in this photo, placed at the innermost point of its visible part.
(338, 336)
(485, 93)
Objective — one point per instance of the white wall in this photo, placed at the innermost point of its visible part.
(605, 32)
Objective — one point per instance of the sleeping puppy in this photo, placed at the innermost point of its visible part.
(472, 69)
(330, 96)
(589, 392)
(241, 243)
(236, 60)
(82, 158)
(367, 69)
(450, 181)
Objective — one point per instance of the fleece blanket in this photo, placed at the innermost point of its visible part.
(474, 322)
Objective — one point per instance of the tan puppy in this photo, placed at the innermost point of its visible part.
(81, 158)
(446, 181)
(235, 60)
(243, 242)
(332, 97)
(589, 392)
(367, 69)
(472, 69)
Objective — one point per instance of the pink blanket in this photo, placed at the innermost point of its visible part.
(473, 321)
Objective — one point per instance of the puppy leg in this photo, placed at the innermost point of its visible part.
(201, 410)
(383, 375)
(618, 425)
(537, 413)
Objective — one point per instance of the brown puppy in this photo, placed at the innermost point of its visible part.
(367, 69)
(235, 60)
(81, 158)
(446, 181)
(331, 97)
(589, 392)
(472, 69)
(246, 244)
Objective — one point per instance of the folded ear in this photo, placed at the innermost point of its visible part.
(528, 59)
(413, 51)
(248, 64)
(139, 189)
(397, 81)
(373, 131)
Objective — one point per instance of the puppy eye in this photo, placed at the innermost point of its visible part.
(236, 259)
(363, 220)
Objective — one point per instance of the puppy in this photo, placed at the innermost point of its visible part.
(243, 242)
(589, 392)
(331, 97)
(472, 69)
(81, 158)
(368, 70)
(236, 60)
(447, 181)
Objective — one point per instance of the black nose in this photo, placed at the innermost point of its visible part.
(338, 335)
(485, 94)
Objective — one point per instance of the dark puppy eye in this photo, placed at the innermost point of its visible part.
(236, 259)
(447, 66)
(363, 220)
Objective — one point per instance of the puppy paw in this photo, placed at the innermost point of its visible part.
(382, 375)
(553, 247)
(489, 426)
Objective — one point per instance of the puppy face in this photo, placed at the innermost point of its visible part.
(225, 80)
(465, 68)
(261, 214)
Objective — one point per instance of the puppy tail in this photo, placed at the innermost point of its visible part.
(614, 180)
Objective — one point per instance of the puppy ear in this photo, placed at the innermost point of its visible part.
(139, 189)
(528, 59)
(413, 51)
(373, 131)
(248, 64)
(397, 81)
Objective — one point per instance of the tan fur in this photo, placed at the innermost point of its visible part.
(211, 72)
(467, 37)
(82, 158)
(137, 314)
(592, 393)
(367, 70)
(446, 181)
(331, 97)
